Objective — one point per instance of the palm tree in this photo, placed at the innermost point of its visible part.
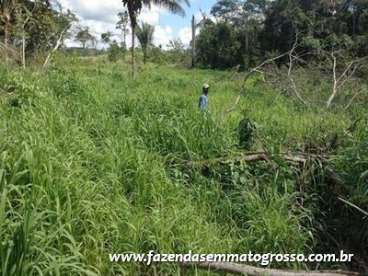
(135, 6)
(145, 37)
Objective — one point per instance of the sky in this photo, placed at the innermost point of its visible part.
(101, 16)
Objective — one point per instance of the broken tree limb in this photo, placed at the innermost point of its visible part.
(290, 77)
(256, 271)
(354, 206)
(346, 75)
(57, 45)
(250, 73)
(300, 158)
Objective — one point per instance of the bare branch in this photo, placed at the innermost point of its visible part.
(58, 44)
(335, 81)
(352, 100)
(251, 72)
(354, 206)
(346, 75)
(292, 82)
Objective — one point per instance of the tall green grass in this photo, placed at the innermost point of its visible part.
(92, 163)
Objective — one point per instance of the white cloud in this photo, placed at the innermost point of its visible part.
(162, 36)
(185, 35)
(101, 16)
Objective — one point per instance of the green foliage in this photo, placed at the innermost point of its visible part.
(145, 36)
(249, 29)
(84, 37)
(115, 52)
(217, 46)
(246, 133)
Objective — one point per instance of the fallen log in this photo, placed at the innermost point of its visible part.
(248, 270)
(300, 158)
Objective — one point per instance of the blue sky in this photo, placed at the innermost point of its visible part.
(101, 16)
(194, 9)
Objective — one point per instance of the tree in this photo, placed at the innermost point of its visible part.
(32, 26)
(114, 51)
(193, 42)
(23, 17)
(176, 51)
(176, 45)
(84, 36)
(227, 10)
(106, 37)
(60, 30)
(123, 25)
(7, 8)
(145, 36)
(218, 46)
(134, 7)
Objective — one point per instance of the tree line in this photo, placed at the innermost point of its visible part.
(34, 27)
(243, 33)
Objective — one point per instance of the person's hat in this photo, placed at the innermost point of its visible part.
(206, 86)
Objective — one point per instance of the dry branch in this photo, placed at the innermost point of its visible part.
(293, 57)
(256, 271)
(250, 73)
(57, 46)
(354, 206)
(300, 158)
(346, 75)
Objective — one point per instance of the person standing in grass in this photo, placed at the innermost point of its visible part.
(203, 100)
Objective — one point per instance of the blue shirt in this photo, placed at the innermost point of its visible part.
(203, 102)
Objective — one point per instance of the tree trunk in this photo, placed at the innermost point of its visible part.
(334, 79)
(124, 41)
(145, 55)
(247, 54)
(6, 39)
(133, 52)
(24, 49)
(57, 45)
(193, 41)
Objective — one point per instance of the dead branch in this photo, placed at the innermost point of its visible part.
(58, 44)
(299, 158)
(250, 73)
(291, 79)
(256, 271)
(335, 80)
(354, 206)
(346, 75)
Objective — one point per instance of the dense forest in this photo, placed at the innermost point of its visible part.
(103, 148)
(247, 31)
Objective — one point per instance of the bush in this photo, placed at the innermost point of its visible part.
(115, 52)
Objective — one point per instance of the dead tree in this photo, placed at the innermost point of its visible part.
(292, 58)
(194, 27)
(338, 81)
(59, 42)
(249, 74)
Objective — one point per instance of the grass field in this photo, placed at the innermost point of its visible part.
(94, 163)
